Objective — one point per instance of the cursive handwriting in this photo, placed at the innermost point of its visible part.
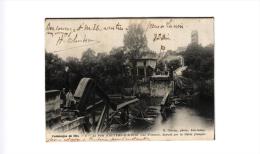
(161, 37)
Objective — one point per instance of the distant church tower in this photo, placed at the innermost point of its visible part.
(194, 37)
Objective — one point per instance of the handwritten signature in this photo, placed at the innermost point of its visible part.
(160, 37)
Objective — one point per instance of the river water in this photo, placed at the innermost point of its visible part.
(183, 118)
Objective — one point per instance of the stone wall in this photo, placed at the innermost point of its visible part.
(155, 88)
(160, 88)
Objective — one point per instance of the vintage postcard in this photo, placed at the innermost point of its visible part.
(129, 79)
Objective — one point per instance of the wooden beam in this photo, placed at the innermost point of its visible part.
(165, 98)
(101, 119)
(126, 103)
(91, 107)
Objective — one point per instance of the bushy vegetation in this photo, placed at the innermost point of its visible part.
(107, 69)
(111, 71)
(200, 62)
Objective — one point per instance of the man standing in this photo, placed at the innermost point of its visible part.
(63, 97)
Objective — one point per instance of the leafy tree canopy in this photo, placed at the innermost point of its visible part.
(135, 40)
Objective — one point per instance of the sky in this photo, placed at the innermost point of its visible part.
(71, 37)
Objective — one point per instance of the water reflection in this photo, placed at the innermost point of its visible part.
(183, 118)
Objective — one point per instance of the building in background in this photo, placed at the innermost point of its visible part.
(145, 67)
(194, 37)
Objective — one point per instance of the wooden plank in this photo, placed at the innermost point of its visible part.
(165, 98)
(93, 106)
(51, 91)
(81, 87)
(119, 106)
(101, 119)
(181, 98)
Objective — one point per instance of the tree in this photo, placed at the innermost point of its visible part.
(200, 62)
(115, 68)
(173, 64)
(54, 71)
(74, 72)
(88, 56)
(74, 64)
(170, 52)
(135, 41)
(88, 61)
(101, 56)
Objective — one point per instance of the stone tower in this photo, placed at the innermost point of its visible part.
(194, 37)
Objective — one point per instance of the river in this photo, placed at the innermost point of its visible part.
(183, 118)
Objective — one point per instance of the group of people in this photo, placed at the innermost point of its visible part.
(67, 98)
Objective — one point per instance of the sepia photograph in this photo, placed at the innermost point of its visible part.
(131, 78)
